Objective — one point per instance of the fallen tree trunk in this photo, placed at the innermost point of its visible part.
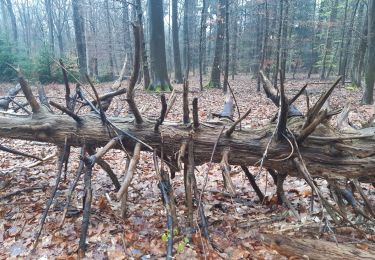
(329, 156)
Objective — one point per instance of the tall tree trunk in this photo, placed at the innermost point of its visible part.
(264, 45)
(284, 37)
(186, 39)
(202, 41)
(226, 66)
(329, 39)
(79, 29)
(370, 73)
(235, 39)
(343, 38)
(314, 54)
(126, 31)
(13, 22)
(176, 43)
(159, 74)
(216, 65)
(145, 67)
(278, 46)
(348, 43)
(110, 45)
(48, 6)
(359, 54)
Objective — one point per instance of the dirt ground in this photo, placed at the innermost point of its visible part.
(238, 225)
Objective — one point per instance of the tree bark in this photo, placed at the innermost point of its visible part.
(176, 44)
(159, 75)
(329, 40)
(370, 74)
(145, 67)
(79, 28)
(216, 65)
(202, 42)
(110, 45)
(328, 156)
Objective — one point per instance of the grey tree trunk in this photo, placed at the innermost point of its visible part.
(110, 45)
(48, 5)
(159, 75)
(278, 47)
(226, 66)
(186, 39)
(216, 65)
(329, 40)
(176, 44)
(370, 73)
(346, 49)
(235, 39)
(79, 29)
(284, 37)
(145, 67)
(202, 42)
(13, 21)
(127, 38)
(359, 54)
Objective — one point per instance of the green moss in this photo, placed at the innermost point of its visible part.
(159, 88)
(212, 84)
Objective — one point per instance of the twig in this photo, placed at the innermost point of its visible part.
(25, 190)
(253, 183)
(52, 196)
(73, 115)
(87, 207)
(231, 129)
(73, 186)
(9, 150)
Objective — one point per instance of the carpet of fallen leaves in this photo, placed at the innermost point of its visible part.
(236, 224)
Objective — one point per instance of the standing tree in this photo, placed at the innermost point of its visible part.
(145, 68)
(186, 40)
(79, 29)
(48, 5)
(110, 45)
(159, 75)
(216, 65)
(226, 66)
(370, 74)
(176, 44)
(202, 43)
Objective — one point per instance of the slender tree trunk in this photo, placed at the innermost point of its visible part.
(226, 67)
(202, 42)
(348, 43)
(235, 39)
(79, 28)
(176, 43)
(110, 44)
(329, 39)
(13, 22)
(370, 73)
(216, 65)
(145, 67)
(284, 49)
(48, 6)
(314, 55)
(359, 54)
(278, 46)
(264, 45)
(343, 38)
(186, 39)
(126, 29)
(159, 74)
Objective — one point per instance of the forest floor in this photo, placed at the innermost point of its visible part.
(238, 225)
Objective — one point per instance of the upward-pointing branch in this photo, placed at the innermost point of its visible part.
(35, 107)
(133, 80)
